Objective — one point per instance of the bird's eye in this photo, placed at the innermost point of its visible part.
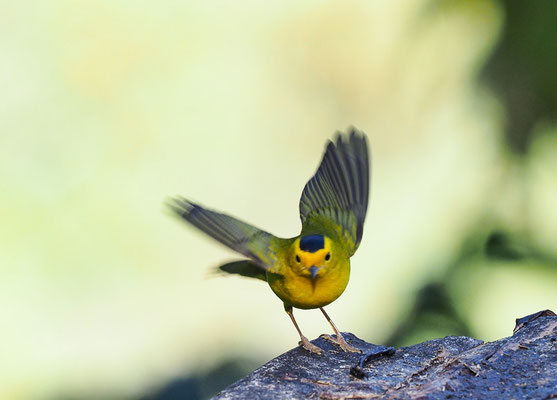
(328, 257)
(297, 258)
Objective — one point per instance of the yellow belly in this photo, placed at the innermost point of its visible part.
(301, 292)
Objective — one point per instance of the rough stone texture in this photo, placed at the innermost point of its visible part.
(521, 366)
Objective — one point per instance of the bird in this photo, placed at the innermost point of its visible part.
(310, 270)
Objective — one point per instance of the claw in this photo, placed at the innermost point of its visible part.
(306, 344)
(340, 342)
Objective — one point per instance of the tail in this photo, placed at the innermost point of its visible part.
(244, 268)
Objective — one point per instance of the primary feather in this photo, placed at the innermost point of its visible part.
(338, 193)
(244, 238)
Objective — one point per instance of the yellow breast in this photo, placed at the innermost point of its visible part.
(303, 292)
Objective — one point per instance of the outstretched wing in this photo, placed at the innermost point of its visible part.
(239, 236)
(337, 195)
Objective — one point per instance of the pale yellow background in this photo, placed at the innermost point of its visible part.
(109, 107)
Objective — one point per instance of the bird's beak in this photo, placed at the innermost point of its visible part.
(313, 269)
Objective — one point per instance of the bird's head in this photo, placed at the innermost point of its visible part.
(311, 255)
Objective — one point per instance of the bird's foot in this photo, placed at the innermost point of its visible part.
(306, 344)
(340, 342)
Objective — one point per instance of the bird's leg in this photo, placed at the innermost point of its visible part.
(339, 340)
(306, 344)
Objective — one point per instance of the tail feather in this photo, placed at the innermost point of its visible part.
(244, 268)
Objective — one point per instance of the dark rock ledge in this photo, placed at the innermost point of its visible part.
(522, 366)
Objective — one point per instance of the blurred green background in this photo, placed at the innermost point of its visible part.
(109, 107)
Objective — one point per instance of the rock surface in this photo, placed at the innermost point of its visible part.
(520, 366)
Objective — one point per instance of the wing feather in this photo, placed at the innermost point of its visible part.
(237, 235)
(339, 190)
